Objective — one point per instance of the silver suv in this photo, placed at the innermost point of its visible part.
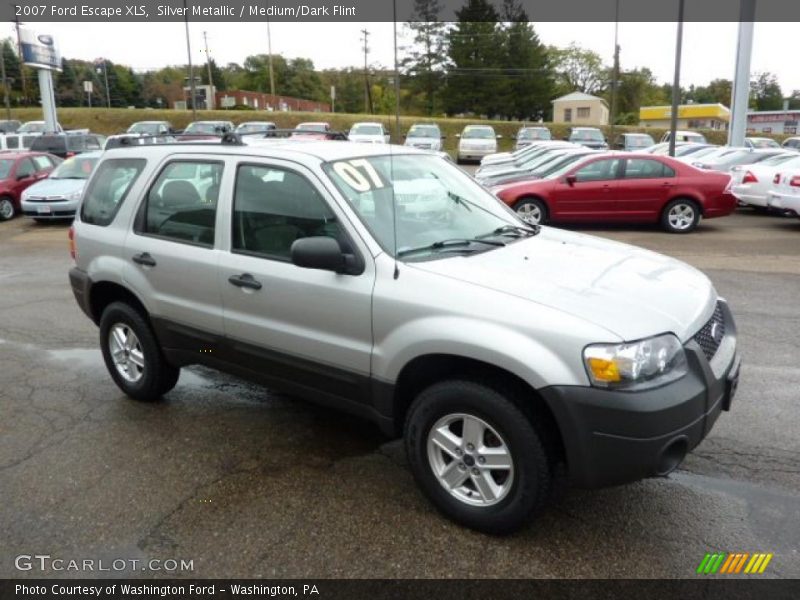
(383, 280)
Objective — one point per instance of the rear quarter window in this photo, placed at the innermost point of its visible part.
(108, 189)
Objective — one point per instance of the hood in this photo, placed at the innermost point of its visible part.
(631, 292)
(596, 145)
(55, 187)
(423, 142)
(366, 137)
(479, 142)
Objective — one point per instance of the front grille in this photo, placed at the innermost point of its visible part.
(45, 198)
(710, 336)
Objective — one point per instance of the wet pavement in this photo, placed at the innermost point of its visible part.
(249, 484)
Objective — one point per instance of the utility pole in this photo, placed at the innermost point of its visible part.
(614, 76)
(208, 60)
(5, 83)
(269, 59)
(105, 78)
(191, 68)
(367, 93)
(676, 82)
(740, 94)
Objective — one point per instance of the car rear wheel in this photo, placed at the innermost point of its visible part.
(132, 355)
(680, 216)
(7, 210)
(531, 210)
(476, 456)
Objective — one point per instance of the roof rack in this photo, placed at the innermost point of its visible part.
(230, 138)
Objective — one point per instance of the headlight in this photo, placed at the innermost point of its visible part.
(637, 365)
(74, 195)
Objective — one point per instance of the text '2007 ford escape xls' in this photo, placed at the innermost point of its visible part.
(386, 282)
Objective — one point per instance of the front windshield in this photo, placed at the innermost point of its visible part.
(558, 165)
(433, 201)
(78, 167)
(586, 135)
(366, 130)
(203, 128)
(254, 127)
(640, 141)
(534, 134)
(424, 131)
(5, 167)
(32, 127)
(764, 143)
(146, 128)
(481, 133)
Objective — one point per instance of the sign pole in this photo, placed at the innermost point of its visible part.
(48, 100)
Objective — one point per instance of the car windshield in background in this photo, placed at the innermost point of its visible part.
(534, 134)
(31, 128)
(423, 131)
(764, 143)
(586, 135)
(75, 168)
(203, 128)
(433, 202)
(5, 167)
(366, 130)
(145, 128)
(255, 127)
(311, 127)
(481, 133)
(640, 141)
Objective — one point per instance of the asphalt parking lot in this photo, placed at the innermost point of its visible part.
(249, 484)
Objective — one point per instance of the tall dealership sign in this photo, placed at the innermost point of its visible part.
(41, 52)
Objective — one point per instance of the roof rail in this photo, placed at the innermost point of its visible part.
(230, 138)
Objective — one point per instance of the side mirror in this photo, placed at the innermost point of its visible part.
(444, 137)
(324, 253)
(22, 176)
(570, 179)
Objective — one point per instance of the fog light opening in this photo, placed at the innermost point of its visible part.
(672, 456)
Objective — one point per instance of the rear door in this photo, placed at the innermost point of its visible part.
(592, 196)
(299, 327)
(171, 252)
(645, 186)
(24, 176)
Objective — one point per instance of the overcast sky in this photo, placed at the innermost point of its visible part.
(709, 48)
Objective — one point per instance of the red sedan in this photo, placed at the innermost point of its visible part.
(623, 187)
(18, 171)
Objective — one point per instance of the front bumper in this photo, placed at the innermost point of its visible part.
(613, 437)
(57, 209)
(475, 153)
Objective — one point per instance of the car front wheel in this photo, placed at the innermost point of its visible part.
(476, 456)
(132, 355)
(7, 210)
(531, 210)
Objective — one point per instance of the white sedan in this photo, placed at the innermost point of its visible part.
(751, 184)
(785, 196)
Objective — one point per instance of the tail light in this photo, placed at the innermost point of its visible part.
(777, 179)
(73, 251)
(70, 154)
(795, 181)
(749, 178)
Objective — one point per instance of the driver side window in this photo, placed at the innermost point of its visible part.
(599, 170)
(25, 168)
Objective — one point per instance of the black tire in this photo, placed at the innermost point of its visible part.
(533, 207)
(7, 208)
(680, 225)
(530, 487)
(157, 377)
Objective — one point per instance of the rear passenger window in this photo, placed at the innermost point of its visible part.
(273, 207)
(642, 168)
(42, 163)
(12, 142)
(182, 203)
(108, 188)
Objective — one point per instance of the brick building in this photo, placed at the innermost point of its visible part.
(261, 101)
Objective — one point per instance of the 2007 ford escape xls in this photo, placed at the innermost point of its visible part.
(384, 281)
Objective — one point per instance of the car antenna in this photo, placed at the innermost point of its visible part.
(394, 210)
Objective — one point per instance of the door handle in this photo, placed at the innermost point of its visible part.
(245, 280)
(144, 259)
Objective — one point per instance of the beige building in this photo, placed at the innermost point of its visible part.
(578, 109)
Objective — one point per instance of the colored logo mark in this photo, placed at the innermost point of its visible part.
(730, 563)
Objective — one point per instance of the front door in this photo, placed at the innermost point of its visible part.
(589, 194)
(303, 328)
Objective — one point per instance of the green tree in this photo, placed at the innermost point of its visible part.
(216, 74)
(765, 92)
(529, 83)
(637, 88)
(425, 59)
(794, 100)
(475, 53)
(579, 70)
(67, 87)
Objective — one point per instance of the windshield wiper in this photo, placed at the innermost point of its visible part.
(458, 200)
(462, 244)
(514, 230)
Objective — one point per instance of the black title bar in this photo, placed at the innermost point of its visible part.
(143, 11)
